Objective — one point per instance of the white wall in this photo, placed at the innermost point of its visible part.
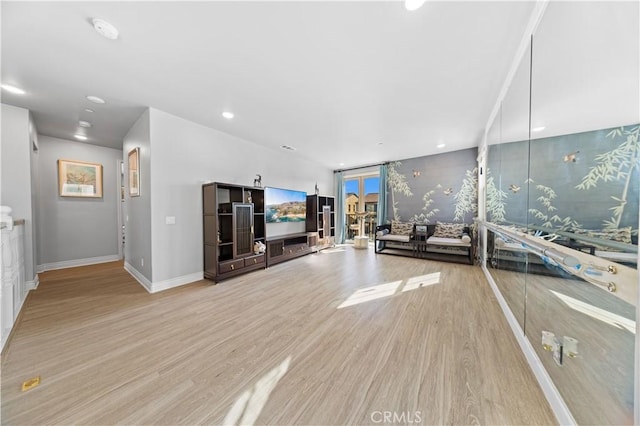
(185, 155)
(137, 220)
(76, 231)
(16, 184)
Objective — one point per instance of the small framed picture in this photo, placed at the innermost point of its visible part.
(79, 179)
(134, 172)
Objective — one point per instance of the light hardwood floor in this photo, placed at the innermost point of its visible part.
(271, 347)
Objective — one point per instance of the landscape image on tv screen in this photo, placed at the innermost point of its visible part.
(285, 205)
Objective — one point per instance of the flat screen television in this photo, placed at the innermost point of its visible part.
(285, 205)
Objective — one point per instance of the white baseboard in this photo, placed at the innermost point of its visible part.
(144, 282)
(77, 262)
(559, 407)
(32, 285)
(176, 282)
(21, 304)
(154, 287)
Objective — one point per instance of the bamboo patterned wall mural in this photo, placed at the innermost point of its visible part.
(397, 183)
(619, 164)
(586, 180)
(434, 188)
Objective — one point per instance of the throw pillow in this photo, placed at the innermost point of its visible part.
(401, 228)
(449, 230)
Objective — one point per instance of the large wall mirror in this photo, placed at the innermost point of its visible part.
(563, 164)
(507, 189)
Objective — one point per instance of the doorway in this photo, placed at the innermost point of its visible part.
(121, 207)
(361, 196)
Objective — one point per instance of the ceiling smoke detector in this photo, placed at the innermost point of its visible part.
(105, 29)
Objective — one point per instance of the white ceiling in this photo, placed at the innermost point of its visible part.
(585, 73)
(332, 79)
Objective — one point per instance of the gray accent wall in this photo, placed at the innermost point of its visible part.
(137, 211)
(72, 228)
(184, 156)
(434, 188)
(16, 186)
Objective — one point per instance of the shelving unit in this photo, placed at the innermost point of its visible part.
(321, 220)
(233, 221)
(281, 249)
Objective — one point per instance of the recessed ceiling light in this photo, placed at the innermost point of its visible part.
(95, 99)
(288, 148)
(413, 4)
(341, 164)
(80, 137)
(89, 110)
(105, 29)
(440, 145)
(538, 129)
(13, 89)
(83, 123)
(228, 115)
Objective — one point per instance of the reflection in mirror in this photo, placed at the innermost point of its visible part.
(506, 201)
(584, 195)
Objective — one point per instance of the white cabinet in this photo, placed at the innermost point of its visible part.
(14, 289)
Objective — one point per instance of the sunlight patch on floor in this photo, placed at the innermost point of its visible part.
(389, 289)
(249, 405)
(332, 250)
(597, 313)
(422, 281)
(371, 293)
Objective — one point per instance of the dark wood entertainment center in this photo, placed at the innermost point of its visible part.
(234, 221)
(283, 248)
(321, 220)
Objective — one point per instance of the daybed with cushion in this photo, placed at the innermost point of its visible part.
(450, 238)
(626, 252)
(430, 241)
(395, 232)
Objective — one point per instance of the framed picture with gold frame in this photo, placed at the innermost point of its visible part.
(79, 179)
(134, 172)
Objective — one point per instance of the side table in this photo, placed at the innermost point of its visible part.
(361, 242)
(419, 244)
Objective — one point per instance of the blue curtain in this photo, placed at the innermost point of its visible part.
(382, 196)
(339, 179)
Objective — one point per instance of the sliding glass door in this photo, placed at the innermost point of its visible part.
(351, 202)
(361, 205)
